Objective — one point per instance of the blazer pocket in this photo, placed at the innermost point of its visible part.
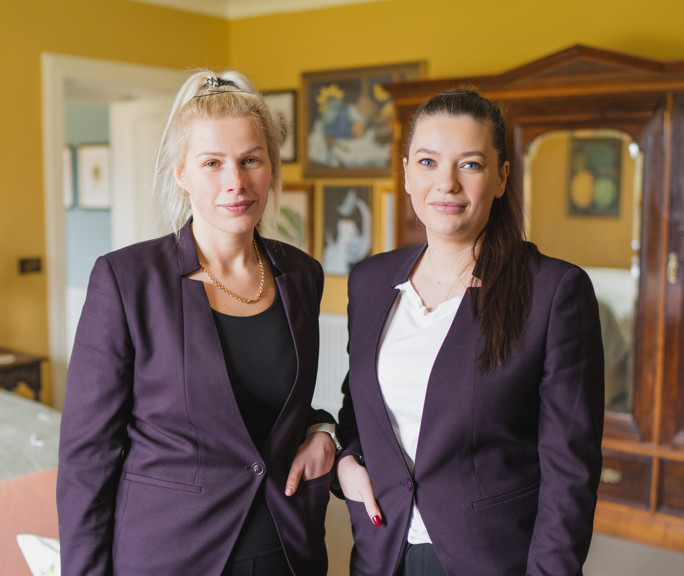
(507, 496)
(318, 480)
(353, 503)
(162, 483)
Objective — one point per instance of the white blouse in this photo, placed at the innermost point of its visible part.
(409, 345)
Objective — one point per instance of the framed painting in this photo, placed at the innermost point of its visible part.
(347, 227)
(295, 216)
(594, 176)
(68, 176)
(92, 166)
(348, 120)
(283, 105)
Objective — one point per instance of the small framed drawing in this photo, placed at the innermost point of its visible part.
(92, 163)
(283, 105)
(68, 176)
(347, 233)
(594, 176)
(349, 120)
(295, 216)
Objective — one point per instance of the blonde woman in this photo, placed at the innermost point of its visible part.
(188, 444)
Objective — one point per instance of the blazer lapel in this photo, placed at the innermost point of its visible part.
(305, 337)
(369, 345)
(447, 421)
(209, 394)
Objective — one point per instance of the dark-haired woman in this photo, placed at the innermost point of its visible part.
(473, 407)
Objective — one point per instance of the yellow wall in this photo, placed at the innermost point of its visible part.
(107, 29)
(455, 38)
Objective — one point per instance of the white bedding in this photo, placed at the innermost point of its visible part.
(29, 435)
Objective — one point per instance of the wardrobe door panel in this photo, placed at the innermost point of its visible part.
(671, 490)
(672, 431)
(625, 479)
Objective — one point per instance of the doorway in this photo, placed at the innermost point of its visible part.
(86, 79)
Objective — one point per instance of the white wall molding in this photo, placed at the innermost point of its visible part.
(237, 9)
(62, 73)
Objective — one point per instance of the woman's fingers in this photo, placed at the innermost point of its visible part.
(356, 485)
(315, 457)
(372, 508)
(295, 475)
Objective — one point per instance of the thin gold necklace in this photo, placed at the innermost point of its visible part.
(261, 287)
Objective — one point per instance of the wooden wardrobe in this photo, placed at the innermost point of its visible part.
(574, 100)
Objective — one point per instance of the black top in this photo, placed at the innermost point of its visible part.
(262, 367)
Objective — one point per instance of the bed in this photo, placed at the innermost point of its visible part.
(29, 438)
(29, 435)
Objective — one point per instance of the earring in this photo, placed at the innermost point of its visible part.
(185, 193)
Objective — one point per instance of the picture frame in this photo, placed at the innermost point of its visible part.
(283, 106)
(68, 176)
(594, 169)
(348, 120)
(388, 207)
(92, 167)
(295, 216)
(347, 227)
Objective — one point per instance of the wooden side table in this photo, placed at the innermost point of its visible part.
(16, 368)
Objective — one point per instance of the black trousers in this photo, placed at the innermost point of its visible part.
(274, 564)
(422, 560)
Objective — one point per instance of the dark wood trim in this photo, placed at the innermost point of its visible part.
(644, 449)
(672, 431)
(656, 529)
(623, 426)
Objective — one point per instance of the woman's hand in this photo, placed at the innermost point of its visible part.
(315, 457)
(356, 485)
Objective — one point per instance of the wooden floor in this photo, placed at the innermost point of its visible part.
(608, 556)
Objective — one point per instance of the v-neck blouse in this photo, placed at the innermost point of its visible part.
(409, 344)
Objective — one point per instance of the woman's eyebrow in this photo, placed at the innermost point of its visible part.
(222, 154)
(210, 153)
(428, 151)
(436, 153)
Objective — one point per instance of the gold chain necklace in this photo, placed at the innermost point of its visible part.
(261, 287)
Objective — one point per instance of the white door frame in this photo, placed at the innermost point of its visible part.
(58, 71)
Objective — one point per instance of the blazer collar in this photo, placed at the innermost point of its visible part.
(402, 273)
(188, 261)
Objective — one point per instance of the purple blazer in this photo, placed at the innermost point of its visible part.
(508, 462)
(157, 470)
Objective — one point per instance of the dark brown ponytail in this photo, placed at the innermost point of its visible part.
(500, 250)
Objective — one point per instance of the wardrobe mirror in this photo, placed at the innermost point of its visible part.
(582, 191)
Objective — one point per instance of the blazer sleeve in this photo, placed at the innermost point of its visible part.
(349, 430)
(319, 416)
(93, 435)
(570, 430)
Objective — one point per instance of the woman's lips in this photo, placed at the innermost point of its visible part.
(237, 207)
(448, 207)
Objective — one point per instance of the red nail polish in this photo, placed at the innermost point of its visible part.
(376, 520)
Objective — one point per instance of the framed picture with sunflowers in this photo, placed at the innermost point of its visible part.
(348, 120)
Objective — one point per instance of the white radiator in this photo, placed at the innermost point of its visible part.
(333, 363)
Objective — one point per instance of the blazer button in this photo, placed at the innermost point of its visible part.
(409, 484)
(258, 468)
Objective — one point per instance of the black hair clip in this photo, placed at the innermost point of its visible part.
(218, 83)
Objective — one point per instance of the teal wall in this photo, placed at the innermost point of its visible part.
(88, 232)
